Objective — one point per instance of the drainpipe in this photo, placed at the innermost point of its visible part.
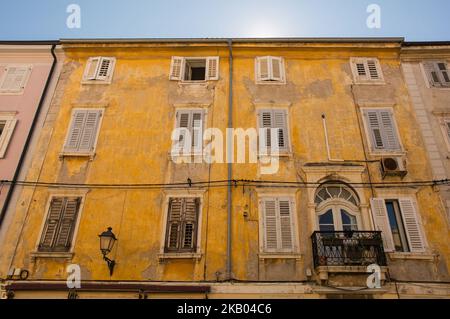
(28, 140)
(325, 130)
(229, 157)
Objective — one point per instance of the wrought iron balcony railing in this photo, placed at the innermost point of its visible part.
(347, 248)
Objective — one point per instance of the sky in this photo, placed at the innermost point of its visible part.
(416, 20)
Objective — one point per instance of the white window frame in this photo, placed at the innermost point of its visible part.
(364, 60)
(6, 137)
(67, 193)
(185, 59)
(90, 154)
(192, 193)
(97, 79)
(288, 150)
(270, 81)
(24, 80)
(262, 195)
(381, 152)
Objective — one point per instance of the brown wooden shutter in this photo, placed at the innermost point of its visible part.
(51, 225)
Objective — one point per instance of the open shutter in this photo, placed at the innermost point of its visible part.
(412, 228)
(174, 224)
(262, 68)
(49, 232)
(375, 130)
(67, 224)
(105, 68)
(280, 123)
(389, 131)
(75, 131)
(286, 225)
(265, 123)
(92, 68)
(176, 68)
(277, 69)
(14, 80)
(270, 224)
(89, 132)
(212, 68)
(381, 220)
(6, 136)
(191, 211)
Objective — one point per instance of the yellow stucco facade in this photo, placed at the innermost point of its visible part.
(133, 147)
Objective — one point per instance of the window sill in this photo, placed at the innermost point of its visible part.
(60, 255)
(411, 256)
(12, 92)
(282, 154)
(194, 158)
(374, 82)
(387, 153)
(91, 155)
(295, 256)
(171, 256)
(94, 82)
(271, 82)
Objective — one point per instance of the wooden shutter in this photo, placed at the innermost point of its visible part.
(59, 226)
(286, 225)
(280, 123)
(75, 130)
(181, 233)
(212, 68)
(277, 119)
(183, 121)
(270, 224)
(197, 130)
(443, 72)
(376, 135)
(382, 130)
(411, 224)
(265, 122)
(177, 68)
(14, 79)
(381, 220)
(89, 133)
(6, 135)
(277, 69)
(372, 66)
(105, 68)
(92, 68)
(389, 131)
(262, 68)
(67, 224)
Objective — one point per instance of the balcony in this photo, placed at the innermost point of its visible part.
(347, 248)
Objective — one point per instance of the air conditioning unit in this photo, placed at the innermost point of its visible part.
(393, 166)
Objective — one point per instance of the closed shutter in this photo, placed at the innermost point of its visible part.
(366, 69)
(443, 70)
(265, 122)
(6, 135)
(372, 66)
(192, 121)
(105, 68)
(269, 68)
(277, 69)
(212, 68)
(181, 233)
(411, 224)
(60, 224)
(382, 130)
(278, 225)
(280, 123)
(197, 130)
(381, 220)
(273, 119)
(14, 79)
(83, 131)
(437, 73)
(176, 68)
(262, 69)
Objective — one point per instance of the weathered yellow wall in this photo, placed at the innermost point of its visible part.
(134, 142)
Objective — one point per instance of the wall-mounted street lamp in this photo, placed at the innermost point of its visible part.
(107, 240)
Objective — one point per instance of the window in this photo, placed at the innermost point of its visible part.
(7, 125)
(83, 131)
(182, 224)
(190, 138)
(269, 69)
(437, 73)
(14, 79)
(192, 69)
(398, 221)
(271, 121)
(99, 70)
(366, 70)
(278, 224)
(60, 224)
(382, 130)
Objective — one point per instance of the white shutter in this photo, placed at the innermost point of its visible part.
(197, 130)
(270, 224)
(389, 131)
(441, 68)
(286, 225)
(6, 135)
(212, 68)
(75, 131)
(105, 68)
(265, 122)
(382, 130)
(366, 69)
(262, 68)
(376, 135)
(277, 69)
(184, 120)
(92, 67)
(89, 131)
(14, 79)
(381, 220)
(372, 66)
(412, 228)
(176, 68)
(280, 123)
